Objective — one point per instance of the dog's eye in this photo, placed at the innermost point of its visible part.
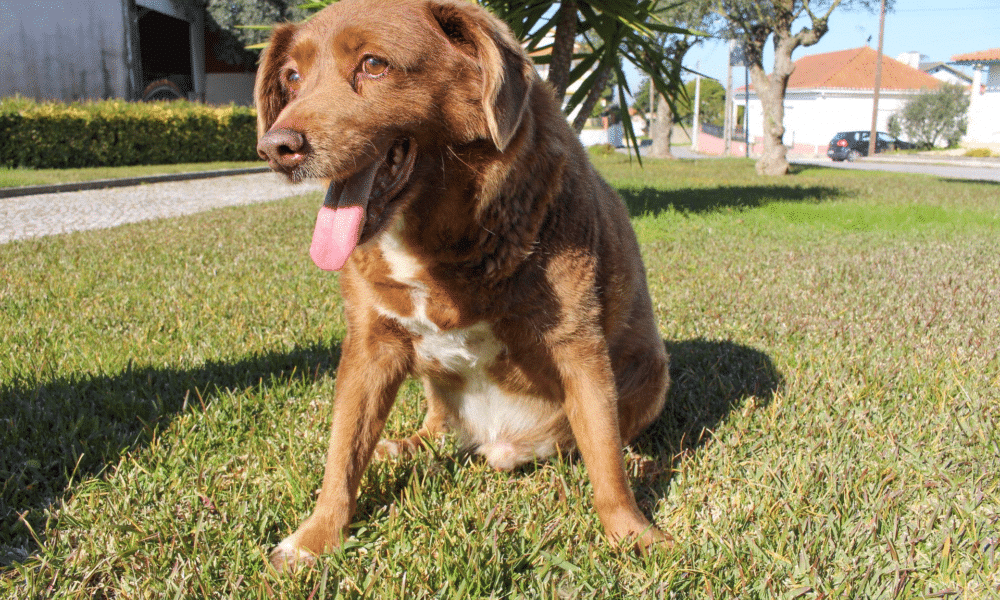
(374, 66)
(293, 77)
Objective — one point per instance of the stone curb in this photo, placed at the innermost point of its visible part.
(101, 184)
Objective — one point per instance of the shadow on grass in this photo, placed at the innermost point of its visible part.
(709, 379)
(652, 201)
(73, 428)
(979, 181)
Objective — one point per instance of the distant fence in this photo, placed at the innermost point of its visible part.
(717, 131)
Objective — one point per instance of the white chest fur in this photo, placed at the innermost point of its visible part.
(508, 429)
(462, 350)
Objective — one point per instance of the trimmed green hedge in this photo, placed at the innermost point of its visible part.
(110, 133)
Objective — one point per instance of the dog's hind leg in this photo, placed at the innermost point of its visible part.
(434, 426)
(642, 390)
(589, 387)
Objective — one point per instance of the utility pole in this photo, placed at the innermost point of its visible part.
(878, 82)
(746, 107)
(696, 124)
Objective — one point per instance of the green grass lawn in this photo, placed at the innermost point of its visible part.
(22, 177)
(831, 432)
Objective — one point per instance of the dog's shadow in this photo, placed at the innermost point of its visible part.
(709, 380)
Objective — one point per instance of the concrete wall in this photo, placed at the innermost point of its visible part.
(226, 88)
(63, 49)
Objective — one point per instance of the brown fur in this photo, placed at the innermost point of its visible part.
(504, 237)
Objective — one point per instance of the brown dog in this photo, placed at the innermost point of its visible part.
(480, 251)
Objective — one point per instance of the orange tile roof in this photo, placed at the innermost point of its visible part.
(855, 69)
(992, 55)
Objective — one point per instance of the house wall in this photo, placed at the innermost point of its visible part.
(812, 117)
(943, 74)
(984, 107)
(63, 49)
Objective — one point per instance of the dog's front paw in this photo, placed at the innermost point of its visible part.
(288, 556)
(653, 539)
(639, 534)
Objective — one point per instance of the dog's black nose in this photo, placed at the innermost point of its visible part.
(283, 149)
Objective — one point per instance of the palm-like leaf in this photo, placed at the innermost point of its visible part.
(615, 30)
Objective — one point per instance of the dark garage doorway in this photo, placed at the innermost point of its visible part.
(165, 51)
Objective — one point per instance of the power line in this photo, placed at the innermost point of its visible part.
(899, 10)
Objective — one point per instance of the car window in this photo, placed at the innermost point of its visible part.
(885, 137)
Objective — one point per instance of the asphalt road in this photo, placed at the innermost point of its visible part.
(972, 173)
(954, 169)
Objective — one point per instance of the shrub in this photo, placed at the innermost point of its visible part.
(601, 150)
(117, 133)
(936, 115)
(979, 152)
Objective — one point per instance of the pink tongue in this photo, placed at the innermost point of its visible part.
(340, 220)
(335, 236)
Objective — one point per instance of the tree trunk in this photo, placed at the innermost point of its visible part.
(562, 49)
(771, 93)
(662, 129)
(587, 106)
(774, 160)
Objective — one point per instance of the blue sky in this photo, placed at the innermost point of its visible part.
(937, 28)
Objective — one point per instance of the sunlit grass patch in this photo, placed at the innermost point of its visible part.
(165, 394)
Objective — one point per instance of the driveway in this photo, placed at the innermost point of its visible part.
(48, 214)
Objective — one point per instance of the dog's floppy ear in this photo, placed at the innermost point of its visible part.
(269, 96)
(507, 73)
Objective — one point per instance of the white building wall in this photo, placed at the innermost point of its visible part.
(65, 49)
(984, 108)
(812, 117)
(947, 76)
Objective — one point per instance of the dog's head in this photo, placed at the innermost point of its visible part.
(366, 88)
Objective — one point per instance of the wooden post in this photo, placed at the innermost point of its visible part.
(727, 120)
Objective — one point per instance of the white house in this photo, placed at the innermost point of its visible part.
(984, 105)
(834, 92)
(936, 69)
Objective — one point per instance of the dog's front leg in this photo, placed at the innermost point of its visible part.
(591, 405)
(368, 378)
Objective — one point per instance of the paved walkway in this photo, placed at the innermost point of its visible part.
(48, 214)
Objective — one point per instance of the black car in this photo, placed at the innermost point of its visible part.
(848, 145)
